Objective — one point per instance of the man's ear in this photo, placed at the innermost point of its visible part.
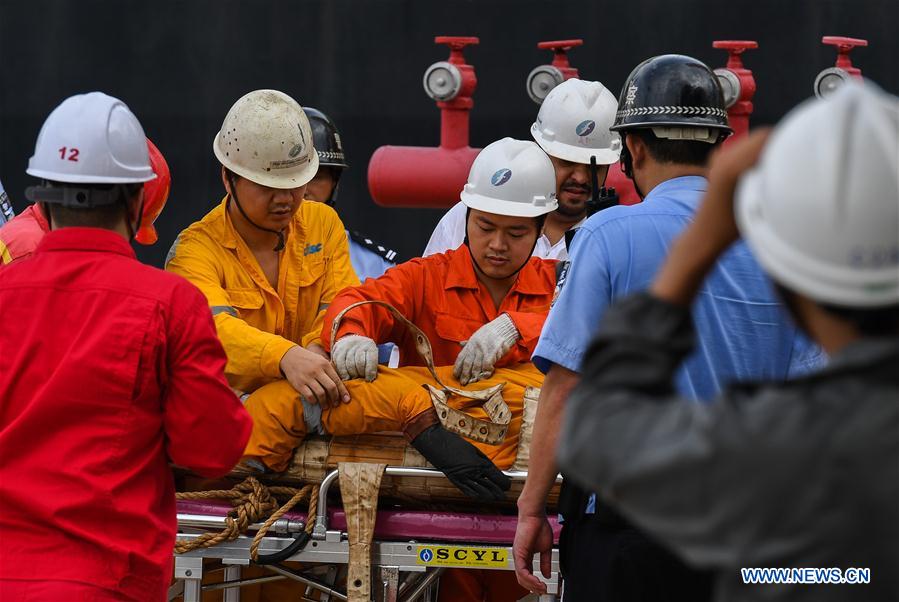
(638, 150)
(225, 181)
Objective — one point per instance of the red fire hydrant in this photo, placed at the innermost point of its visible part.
(418, 176)
(832, 78)
(543, 78)
(737, 84)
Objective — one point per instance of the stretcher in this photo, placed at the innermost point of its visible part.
(410, 549)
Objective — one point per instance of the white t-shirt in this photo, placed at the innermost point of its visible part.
(450, 233)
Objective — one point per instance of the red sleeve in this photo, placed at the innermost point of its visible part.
(401, 286)
(206, 426)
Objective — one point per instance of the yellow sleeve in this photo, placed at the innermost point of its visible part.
(339, 273)
(5, 257)
(252, 353)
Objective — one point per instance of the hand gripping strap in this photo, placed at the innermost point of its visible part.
(492, 431)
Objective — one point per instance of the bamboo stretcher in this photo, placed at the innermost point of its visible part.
(317, 456)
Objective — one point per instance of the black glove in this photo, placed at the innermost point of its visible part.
(462, 463)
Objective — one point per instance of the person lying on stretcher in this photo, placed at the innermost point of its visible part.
(482, 306)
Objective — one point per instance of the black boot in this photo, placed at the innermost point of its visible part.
(462, 463)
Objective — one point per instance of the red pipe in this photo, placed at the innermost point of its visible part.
(418, 176)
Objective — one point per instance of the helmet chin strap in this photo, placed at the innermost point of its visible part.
(232, 194)
(474, 261)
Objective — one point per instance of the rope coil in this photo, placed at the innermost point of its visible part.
(250, 501)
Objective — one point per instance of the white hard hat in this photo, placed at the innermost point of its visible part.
(821, 209)
(266, 138)
(91, 139)
(511, 177)
(574, 120)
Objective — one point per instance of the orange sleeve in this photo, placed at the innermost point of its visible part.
(401, 286)
(529, 325)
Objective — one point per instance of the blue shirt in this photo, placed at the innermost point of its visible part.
(366, 263)
(743, 332)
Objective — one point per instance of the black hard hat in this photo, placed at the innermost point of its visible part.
(326, 139)
(671, 90)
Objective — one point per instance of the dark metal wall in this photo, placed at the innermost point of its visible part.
(180, 64)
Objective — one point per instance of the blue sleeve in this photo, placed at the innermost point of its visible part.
(583, 295)
(367, 264)
(806, 356)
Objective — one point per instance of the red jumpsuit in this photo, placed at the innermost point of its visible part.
(110, 370)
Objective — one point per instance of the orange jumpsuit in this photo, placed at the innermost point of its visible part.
(443, 297)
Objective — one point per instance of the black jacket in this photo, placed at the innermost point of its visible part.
(796, 474)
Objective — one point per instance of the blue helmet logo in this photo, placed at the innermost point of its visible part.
(585, 128)
(501, 176)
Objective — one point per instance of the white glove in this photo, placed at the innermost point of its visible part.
(355, 356)
(486, 346)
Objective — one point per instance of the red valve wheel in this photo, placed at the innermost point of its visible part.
(844, 44)
(560, 44)
(457, 42)
(735, 46)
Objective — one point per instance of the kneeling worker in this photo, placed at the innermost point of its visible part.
(268, 262)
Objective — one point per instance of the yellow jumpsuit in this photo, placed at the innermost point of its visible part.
(257, 323)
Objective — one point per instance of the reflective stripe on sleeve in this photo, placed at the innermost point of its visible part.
(223, 309)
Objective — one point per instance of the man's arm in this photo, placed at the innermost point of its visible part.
(401, 286)
(206, 426)
(529, 325)
(339, 274)
(252, 353)
(533, 534)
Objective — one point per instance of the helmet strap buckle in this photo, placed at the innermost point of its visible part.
(74, 197)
